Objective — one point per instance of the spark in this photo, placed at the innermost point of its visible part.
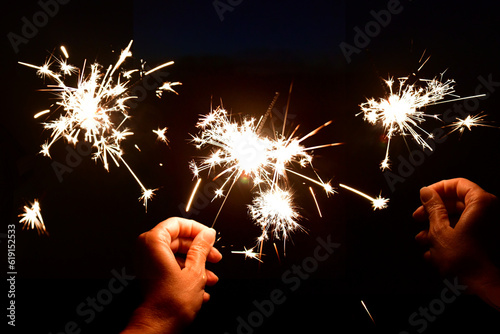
(274, 211)
(167, 86)
(188, 206)
(238, 149)
(161, 134)
(400, 112)
(377, 203)
(94, 111)
(249, 253)
(470, 121)
(43, 112)
(366, 309)
(32, 218)
(315, 201)
(64, 51)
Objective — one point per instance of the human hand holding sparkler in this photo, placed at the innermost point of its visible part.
(174, 284)
(461, 249)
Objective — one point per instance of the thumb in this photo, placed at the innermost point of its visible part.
(435, 208)
(202, 244)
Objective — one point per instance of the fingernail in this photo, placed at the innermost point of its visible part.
(425, 194)
(209, 236)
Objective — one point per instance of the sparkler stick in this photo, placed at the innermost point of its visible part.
(32, 218)
(287, 106)
(95, 109)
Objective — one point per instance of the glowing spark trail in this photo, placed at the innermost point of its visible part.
(470, 121)
(32, 218)
(274, 211)
(249, 253)
(95, 110)
(377, 203)
(161, 135)
(188, 206)
(400, 113)
(366, 309)
(239, 149)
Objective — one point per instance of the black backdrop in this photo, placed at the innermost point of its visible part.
(256, 50)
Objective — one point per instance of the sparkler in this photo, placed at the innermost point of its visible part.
(241, 150)
(95, 110)
(400, 113)
(32, 218)
(238, 149)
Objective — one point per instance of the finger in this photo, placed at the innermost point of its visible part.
(459, 188)
(435, 208)
(212, 279)
(206, 297)
(182, 245)
(420, 214)
(181, 262)
(423, 238)
(427, 256)
(155, 246)
(201, 246)
(178, 227)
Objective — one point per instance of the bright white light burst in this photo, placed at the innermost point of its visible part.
(400, 113)
(95, 110)
(32, 218)
(274, 211)
(239, 149)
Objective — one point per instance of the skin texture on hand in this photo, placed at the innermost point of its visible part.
(461, 220)
(174, 285)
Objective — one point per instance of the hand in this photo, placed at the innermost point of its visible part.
(174, 286)
(459, 214)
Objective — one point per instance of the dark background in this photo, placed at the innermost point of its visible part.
(93, 216)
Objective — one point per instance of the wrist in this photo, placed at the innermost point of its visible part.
(147, 321)
(486, 284)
